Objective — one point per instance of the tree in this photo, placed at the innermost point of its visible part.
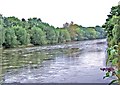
(50, 35)
(36, 32)
(64, 36)
(22, 35)
(90, 33)
(72, 30)
(34, 22)
(10, 38)
(11, 21)
(2, 32)
(1, 36)
(100, 32)
(80, 34)
(38, 36)
(112, 26)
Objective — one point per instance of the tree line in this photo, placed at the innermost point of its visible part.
(112, 27)
(33, 31)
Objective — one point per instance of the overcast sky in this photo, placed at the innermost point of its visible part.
(57, 12)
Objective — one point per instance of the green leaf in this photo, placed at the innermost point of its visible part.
(118, 72)
(107, 74)
(113, 81)
(112, 51)
(114, 61)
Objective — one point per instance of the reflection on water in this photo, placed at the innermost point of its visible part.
(15, 60)
(71, 65)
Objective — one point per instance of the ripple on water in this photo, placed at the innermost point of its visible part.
(67, 68)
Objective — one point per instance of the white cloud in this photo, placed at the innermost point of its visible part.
(57, 12)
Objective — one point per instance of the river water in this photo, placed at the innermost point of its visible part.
(80, 62)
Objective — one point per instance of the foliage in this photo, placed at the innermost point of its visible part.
(11, 21)
(15, 32)
(22, 35)
(50, 35)
(38, 36)
(64, 35)
(80, 34)
(2, 32)
(90, 33)
(100, 33)
(72, 30)
(10, 38)
(112, 26)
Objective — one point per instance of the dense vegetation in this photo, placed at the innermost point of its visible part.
(112, 26)
(15, 32)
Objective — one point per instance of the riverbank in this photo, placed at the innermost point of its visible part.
(76, 44)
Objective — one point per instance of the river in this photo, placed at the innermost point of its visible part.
(75, 62)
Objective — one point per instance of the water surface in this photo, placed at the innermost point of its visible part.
(79, 63)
